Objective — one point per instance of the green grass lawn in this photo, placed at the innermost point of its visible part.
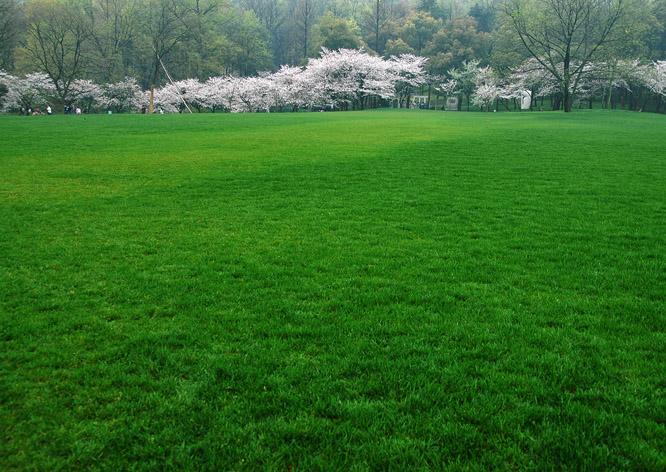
(383, 290)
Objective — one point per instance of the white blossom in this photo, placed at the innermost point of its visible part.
(123, 95)
(655, 77)
(31, 91)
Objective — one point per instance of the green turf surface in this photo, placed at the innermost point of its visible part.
(385, 290)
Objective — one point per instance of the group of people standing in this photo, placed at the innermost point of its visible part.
(28, 111)
(68, 110)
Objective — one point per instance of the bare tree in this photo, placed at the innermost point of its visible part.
(113, 31)
(304, 18)
(273, 15)
(270, 13)
(11, 19)
(375, 21)
(166, 24)
(56, 36)
(564, 35)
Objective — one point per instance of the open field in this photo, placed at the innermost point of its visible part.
(384, 290)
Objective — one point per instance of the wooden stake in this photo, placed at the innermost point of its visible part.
(152, 95)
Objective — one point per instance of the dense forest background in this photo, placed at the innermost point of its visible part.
(107, 40)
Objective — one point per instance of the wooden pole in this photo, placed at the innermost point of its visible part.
(152, 95)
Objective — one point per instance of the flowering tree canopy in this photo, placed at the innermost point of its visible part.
(655, 77)
(343, 79)
(30, 91)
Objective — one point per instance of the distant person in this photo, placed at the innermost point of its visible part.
(29, 111)
(78, 111)
(48, 110)
(143, 110)
(22, 111)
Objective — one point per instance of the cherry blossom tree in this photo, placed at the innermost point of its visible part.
(487, 88)
(212, 94)
(86, 92)
(484, 95)
(409, 73)
(379, 79)
(32, 90)
(193, 92)
(465, 79)
(123, 95)
(315, 86)
(8, 100)
(614, 74)
(284, 87)
(337, 71)
(655, 77)
(253, 95)
(229, 92)
(448, 87)
(165, 99)
(355, 76)
(532, 77)
(306, 90)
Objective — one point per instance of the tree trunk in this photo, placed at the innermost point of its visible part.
(556, 102)
(610, 84)
(566, 99)
(533, 100)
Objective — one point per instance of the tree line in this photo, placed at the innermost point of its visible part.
(351, 79)
(105, 41)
